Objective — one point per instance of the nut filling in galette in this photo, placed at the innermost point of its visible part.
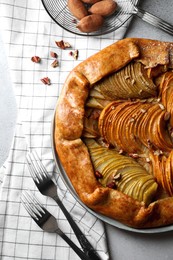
(114, 132)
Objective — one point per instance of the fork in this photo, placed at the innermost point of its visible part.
(153, 20)
(46, 221)
(47, 187)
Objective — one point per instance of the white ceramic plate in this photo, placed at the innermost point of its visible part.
(102, 217)
(8, 108)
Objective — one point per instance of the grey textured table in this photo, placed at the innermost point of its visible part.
(123, 244)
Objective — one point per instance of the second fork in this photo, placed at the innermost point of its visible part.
(46, 221)
(47, 187)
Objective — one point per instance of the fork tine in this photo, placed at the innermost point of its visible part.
(157, 21)
(36, 167)
(32, 205)
(46, 221)
(38, 164)
(26, 201)
(30, 167)
(154, 20)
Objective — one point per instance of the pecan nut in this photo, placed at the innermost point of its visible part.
(45, 80)
(36, 59)
(55, 64)
(53, 54)
(62, 45)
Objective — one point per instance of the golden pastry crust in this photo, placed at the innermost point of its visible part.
(72, 151)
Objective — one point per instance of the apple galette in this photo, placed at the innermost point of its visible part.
(114, 132)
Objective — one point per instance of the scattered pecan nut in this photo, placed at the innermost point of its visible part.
(98, 175)
(167, 116)
(134, 155)
(53, 54)
(117, 176)
(62, 45)
(45, 81)
(55, 64)
(111, 185)
(74, 54)
(36, 59)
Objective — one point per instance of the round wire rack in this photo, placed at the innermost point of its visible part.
(59, 12)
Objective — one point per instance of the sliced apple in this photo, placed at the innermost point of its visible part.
(123, 172)
(131, 81)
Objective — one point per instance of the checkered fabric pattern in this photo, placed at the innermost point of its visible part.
(27, 30)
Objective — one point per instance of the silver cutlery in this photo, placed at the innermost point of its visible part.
(47, 187)
(46, 221)
(153, 20)
(128, 8)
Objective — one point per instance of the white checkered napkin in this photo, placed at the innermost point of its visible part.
(27, 31)
(21, 238)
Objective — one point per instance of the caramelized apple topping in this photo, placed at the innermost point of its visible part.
(132, 112)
